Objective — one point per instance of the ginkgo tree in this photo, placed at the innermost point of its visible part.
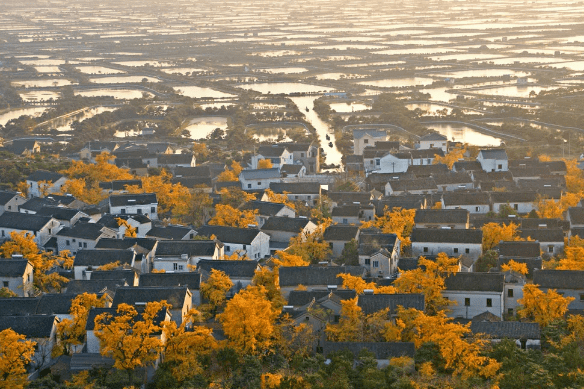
(15, 355)
(542, 307)
(493, 233)
(454, 155)
(397, 221)
(226, 215)
(215, 289)
(310, 245)
(355, 326)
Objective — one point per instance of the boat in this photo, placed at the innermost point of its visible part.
(327, 137)
(307, 110)
(330, 144)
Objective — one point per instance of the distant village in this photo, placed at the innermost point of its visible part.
(506, 225)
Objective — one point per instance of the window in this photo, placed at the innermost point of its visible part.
(431, 145)
(5, 283)
(307, 318)
(192, 236)
(139, 210)
(152, 209)
(365, 141)
(378, 162)
(248, 186)
(137, 230)
(375, 263)
(227, 248)
(550, 249)
(467, 302)
(345, 221)
(301, 155)
(477, 209)
(510, 293)
(3, 233)
(500, 167)
(180, 267)
(259, 183)
(73, 240)
(295, 197)
(175, 266)
(68, 242)
(489, 302)
(581, 296)
(429, 161)
(123, 211)
(455, 250)
(80, 245)
(9, 207)
(510, 311)
(516, 206)
(368, 262)
(84, 245)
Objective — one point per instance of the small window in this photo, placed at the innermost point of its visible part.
(84, 245)
(551, 249)
(467, 251)
(301, 155)
(477, 209)
(516, 206)
(73, 240)
(248, 186)
(489, 303)
(307, 318)
(375, 263)
(80, 245)
(68, 243)
(227, 248)
(3, 233)
(510, 293)
(368, 262)
(425, 249)
(10, 207)
(259, 183)
(467, 302)
(510, 311)
(581, 296)
(365, 141)
(192, 236)
(5, 283)
(455, 250)
(296, 197)
(345, 221)
(500, 167)
(123, 211)
(139, 210)
(152, 209)
(175, 266)
(180, 267)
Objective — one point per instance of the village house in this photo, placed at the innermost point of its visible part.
(474, 294)
(179, 298)
(171, 232)
(140, 223)
(67, 217)
(305, 153)
(379, 253)
(180, 255)
(371, 303)
(266, 210)
(521, 201)
(415, 186)
(453, 181)
(282, 229)
(192, 280)
(434, 140)
(257, 179)
(16, 275)
(366, 138)
(240, 273)
(243, 241)
(383, 352)
(146, 247)
(315, 277)
(454, 243)
(526, 335)
(551, 240)
(309, 192)
(10, 201)
(119, 186)
(493, 160)
(93, 148)
(24, 147)
(132, 204)
(278, 155)
(568, 283)
(42, 182)
(171, 161)
(87, 262)
(474, 202)
(82, 236)
(353, 213)
(41, 227)
(338, 235)
(528, 252)
(457, 219)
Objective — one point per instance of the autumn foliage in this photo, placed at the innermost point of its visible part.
(15, 354)
(543, 308)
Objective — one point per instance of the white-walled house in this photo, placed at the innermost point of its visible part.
(44, 181)
(250, 241)
(10, 201)
(257, 179)
(42, 227)
(551, 240)
(367, 138)
(454, 243)
(16, 274)
(308, 192)
(87, 261)
(475, 293)
(493, 160)
(278, 155)
(434, 140)
(181, 255)
(569, 283)
(132, 204)
(523, 202)
(473, 202)
(266, 210)
(82, 236)
(458, 219)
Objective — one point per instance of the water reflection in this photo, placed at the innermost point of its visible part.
(464, 134)
(203, 126)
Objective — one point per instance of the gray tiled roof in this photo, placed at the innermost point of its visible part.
(23, 221)
(258, 174)
(340, 232)
(191, 247)
(234, 269)
(428, 170)
(433, 136)
(271, 151)
(44, 175)
(126, 274)
(519, 249)
(170, 232)
(413, 185)
(265, 208)
(316, 275)
(480, 282)
(544, 235)
(55, 303)
(465, 198)
(100, 257)
(6, 196)
(190, 279)
(126, 243)
(350, 197)
(446, 235)
(59, 213)
(94, 286)
(32, 326)
(291, 169)
(18, 305)
(287, 224)
(381, 350)
(514, 197)
(299, 298)
(357, 134)
(441, 216)
(467, 166)
(452, 178)
(296, 187)
(175, 296)
(559, 279)
(138, 199)
(346, 210)
(499, 154)
(90, 231)
(371, 303)
(12, 267)
(230, 234)
(506, 329)
(576, 215)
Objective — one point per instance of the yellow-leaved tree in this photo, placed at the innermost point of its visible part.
(15, 354)
(215, 289)
(281, 198)
(283, 258)
(265, 164)
(543, 308)
(249, 321)
(130, 231)
(360, 285)
(573, 255)
(460, 354)
(574, 177)
(23, 243)
(515, 267)
(454, 155)
(226, 215)
(71, 332)
(269, 280)
(397, 221)
(310, 246)
(186, 348)
(230, 175)
(235, 197)
(428, 279)
(127, 337)
(493, 233)
(355, 326)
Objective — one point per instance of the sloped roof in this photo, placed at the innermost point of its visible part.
(412, 185)
(94, 286)
(441, 216)
(265, 208)
(410, 201)
(12, 267)
(18, 305)
(576, 215)
(271, 150)
(346, 210)
(23, 221)
(172, 159)
(428, 170)
(55, 303)
(452, 178)
(519, 249)
(119, 184)
(559, 279)
(506, 329)
(44, 175)
(100, 257)
(59, 213)
(287, 224)
(381, 350)
(118, 274)
(230, 234)
(175, 296)
(291, 169)
(190, 279)
(350, 197)
(371, 303)
(463, 198)
(31, 326)
(493, 154)
(126, 243)
(170, 232)
(467, 166)
(299, 298)
(371, 132)
(341, 232)
(296, 187)
(133, 199)
(91, 231)
(234, 269)
(544, 235)
(316, 275)
(37, 203)
(446, 235)
(477, 282)
(94, 312)
(6, 196)
(191, 247)
(259, 174)
(433, 136)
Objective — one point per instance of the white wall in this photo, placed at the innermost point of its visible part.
(478, 303)
(432, 248)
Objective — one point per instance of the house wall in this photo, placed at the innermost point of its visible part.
(473, 208)
(390, 164)
(453, 187)
(346, 220)
(34, 191)
(13, 204)
(577, 294)
(437, 144)
(434, 248)
(337, 247)
(147, 209)
(22, 286)
(510, 302)
(552, 248)
(493, 165)
(437, 224)
(40, 237)
(478, 303)
(262, 183)
(519, 207)
(365, 141)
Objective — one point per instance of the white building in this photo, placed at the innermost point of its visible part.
(434, 140)
(366, 138)
(132, 204)
(493, 160)
(258, 179)
(454, 243)
(474, 294)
